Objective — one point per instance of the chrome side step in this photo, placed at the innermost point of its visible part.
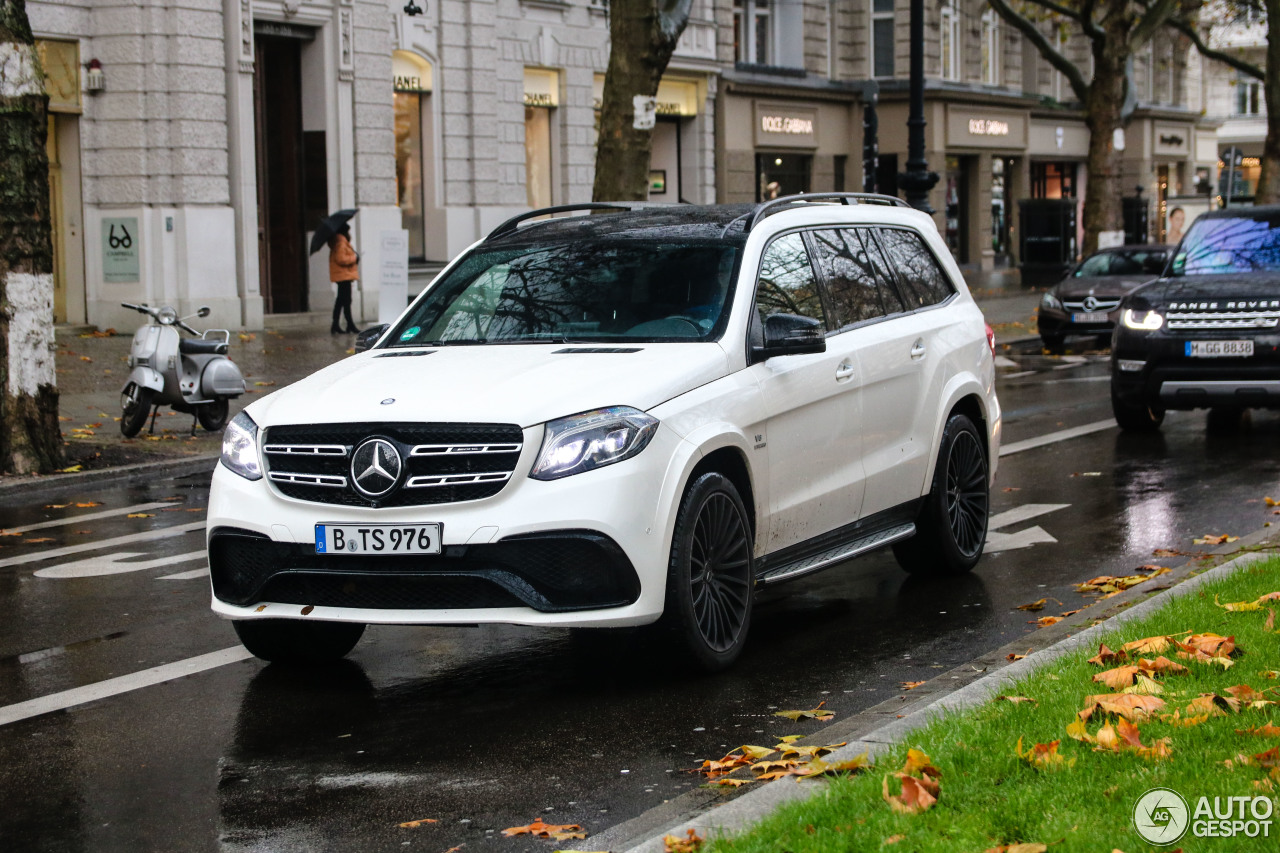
(817, 562)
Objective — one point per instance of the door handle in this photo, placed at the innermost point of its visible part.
(918, 349)
(844, 371)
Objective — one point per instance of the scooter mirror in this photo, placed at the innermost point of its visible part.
(204, 311)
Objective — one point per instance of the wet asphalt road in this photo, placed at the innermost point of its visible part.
(486, 728)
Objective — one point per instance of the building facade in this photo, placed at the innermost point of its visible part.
(195, 145)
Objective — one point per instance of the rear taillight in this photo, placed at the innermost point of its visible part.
(991, 338)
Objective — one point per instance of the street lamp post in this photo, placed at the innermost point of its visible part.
(917, 180)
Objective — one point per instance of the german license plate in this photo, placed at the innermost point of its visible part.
(1219, 349)
(1090, 317)
(378, 539)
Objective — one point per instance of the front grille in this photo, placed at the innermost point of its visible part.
(550, 572)
(1210, 320)
(443, 463)
(1104, 305)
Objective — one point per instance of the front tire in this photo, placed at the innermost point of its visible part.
(952, 527)
(1054, 344)
(213, 416)
(295, 641)
(711, 574)
(135, 405)
(1135, 418)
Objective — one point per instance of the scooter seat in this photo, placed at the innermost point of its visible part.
(199, 346)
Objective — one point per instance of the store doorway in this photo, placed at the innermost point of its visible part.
(782, 174)
(277, 103)
(957, 211)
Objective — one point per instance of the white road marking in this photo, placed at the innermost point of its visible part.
(144, 536)
(1005, 361)
(1023, 538)
(1051, 438)
(89, 516)
(186, 576)
(123, 684)
(1018, 375)
(112, 564)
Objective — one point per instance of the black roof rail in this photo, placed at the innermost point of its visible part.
(774, 205)
(510, 226)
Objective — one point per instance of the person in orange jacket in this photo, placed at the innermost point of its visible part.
(344, 269)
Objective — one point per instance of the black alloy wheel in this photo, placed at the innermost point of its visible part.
(711, 576)
(951, 530)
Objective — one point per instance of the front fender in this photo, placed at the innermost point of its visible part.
(957, 389)
(146, 377)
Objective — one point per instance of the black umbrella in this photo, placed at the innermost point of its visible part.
(329, 226)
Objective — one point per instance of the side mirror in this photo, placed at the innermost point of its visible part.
(366, 339)
(203, 312)
(790, 334)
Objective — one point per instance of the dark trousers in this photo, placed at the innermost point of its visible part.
(342, 305)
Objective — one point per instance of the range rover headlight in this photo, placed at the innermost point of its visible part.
(1143, 321)
(592, 440)
(240, 447)
(1050, 302)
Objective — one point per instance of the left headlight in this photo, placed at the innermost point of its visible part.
(240, 447)
(1145, 321)
(1050, 302)
(592, 440)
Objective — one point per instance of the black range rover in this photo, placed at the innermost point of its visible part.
(1205, 335)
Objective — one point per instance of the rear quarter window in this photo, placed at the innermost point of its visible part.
(923, 281)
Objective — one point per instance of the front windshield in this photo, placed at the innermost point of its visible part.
(1236, 244)
(1128, 262)
(623, 291)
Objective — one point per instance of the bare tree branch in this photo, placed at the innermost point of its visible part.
(1235, 62)
(1068, 69)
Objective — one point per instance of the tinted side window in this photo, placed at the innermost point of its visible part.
(787, 282)
(923, 281)
(851, 279)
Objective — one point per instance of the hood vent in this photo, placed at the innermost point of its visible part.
(405, 353)
(597, 350)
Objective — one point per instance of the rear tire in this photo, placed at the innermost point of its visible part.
(952, 527)
(1054, 344)
(213, 416)
(295, 641)
(710, 574)
(135, 405)
(1136, 418)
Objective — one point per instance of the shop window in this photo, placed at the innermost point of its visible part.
(753, 32)
(782, 174)
(990, 48)
(1053, 180)
(922, 280)
(882, 46)
(537, 155)
(409, 169)
(1248, 97)
(956, 183)
(950, 39)
(787, 284)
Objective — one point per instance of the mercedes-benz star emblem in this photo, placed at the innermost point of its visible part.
(375, 467)
(1090, 303)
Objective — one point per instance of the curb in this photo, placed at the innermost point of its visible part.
(877, 729)
(59, 483)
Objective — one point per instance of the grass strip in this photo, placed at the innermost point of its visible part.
(991, 797)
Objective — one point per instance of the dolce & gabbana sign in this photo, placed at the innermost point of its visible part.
(970, 127)
(786, 126)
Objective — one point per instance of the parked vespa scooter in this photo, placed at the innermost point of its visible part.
(191, 375)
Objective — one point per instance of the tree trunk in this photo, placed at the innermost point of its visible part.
(1102, 204)
(30, 439)
(1269, 182)
(642, 35)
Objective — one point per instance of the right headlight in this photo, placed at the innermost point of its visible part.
(1142, 321)
(592, 440)
(240, 447)
(1050, 302)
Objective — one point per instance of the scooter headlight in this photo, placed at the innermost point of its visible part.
(240, 447)
(167, 316)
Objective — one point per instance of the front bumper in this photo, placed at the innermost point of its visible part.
(1153, 368)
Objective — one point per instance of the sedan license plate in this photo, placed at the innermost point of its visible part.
(1090, 317)
(378, 539)
(1219, 349)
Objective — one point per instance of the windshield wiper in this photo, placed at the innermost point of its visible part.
(458, 342)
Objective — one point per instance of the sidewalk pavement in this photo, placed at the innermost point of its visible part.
(91, 371)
